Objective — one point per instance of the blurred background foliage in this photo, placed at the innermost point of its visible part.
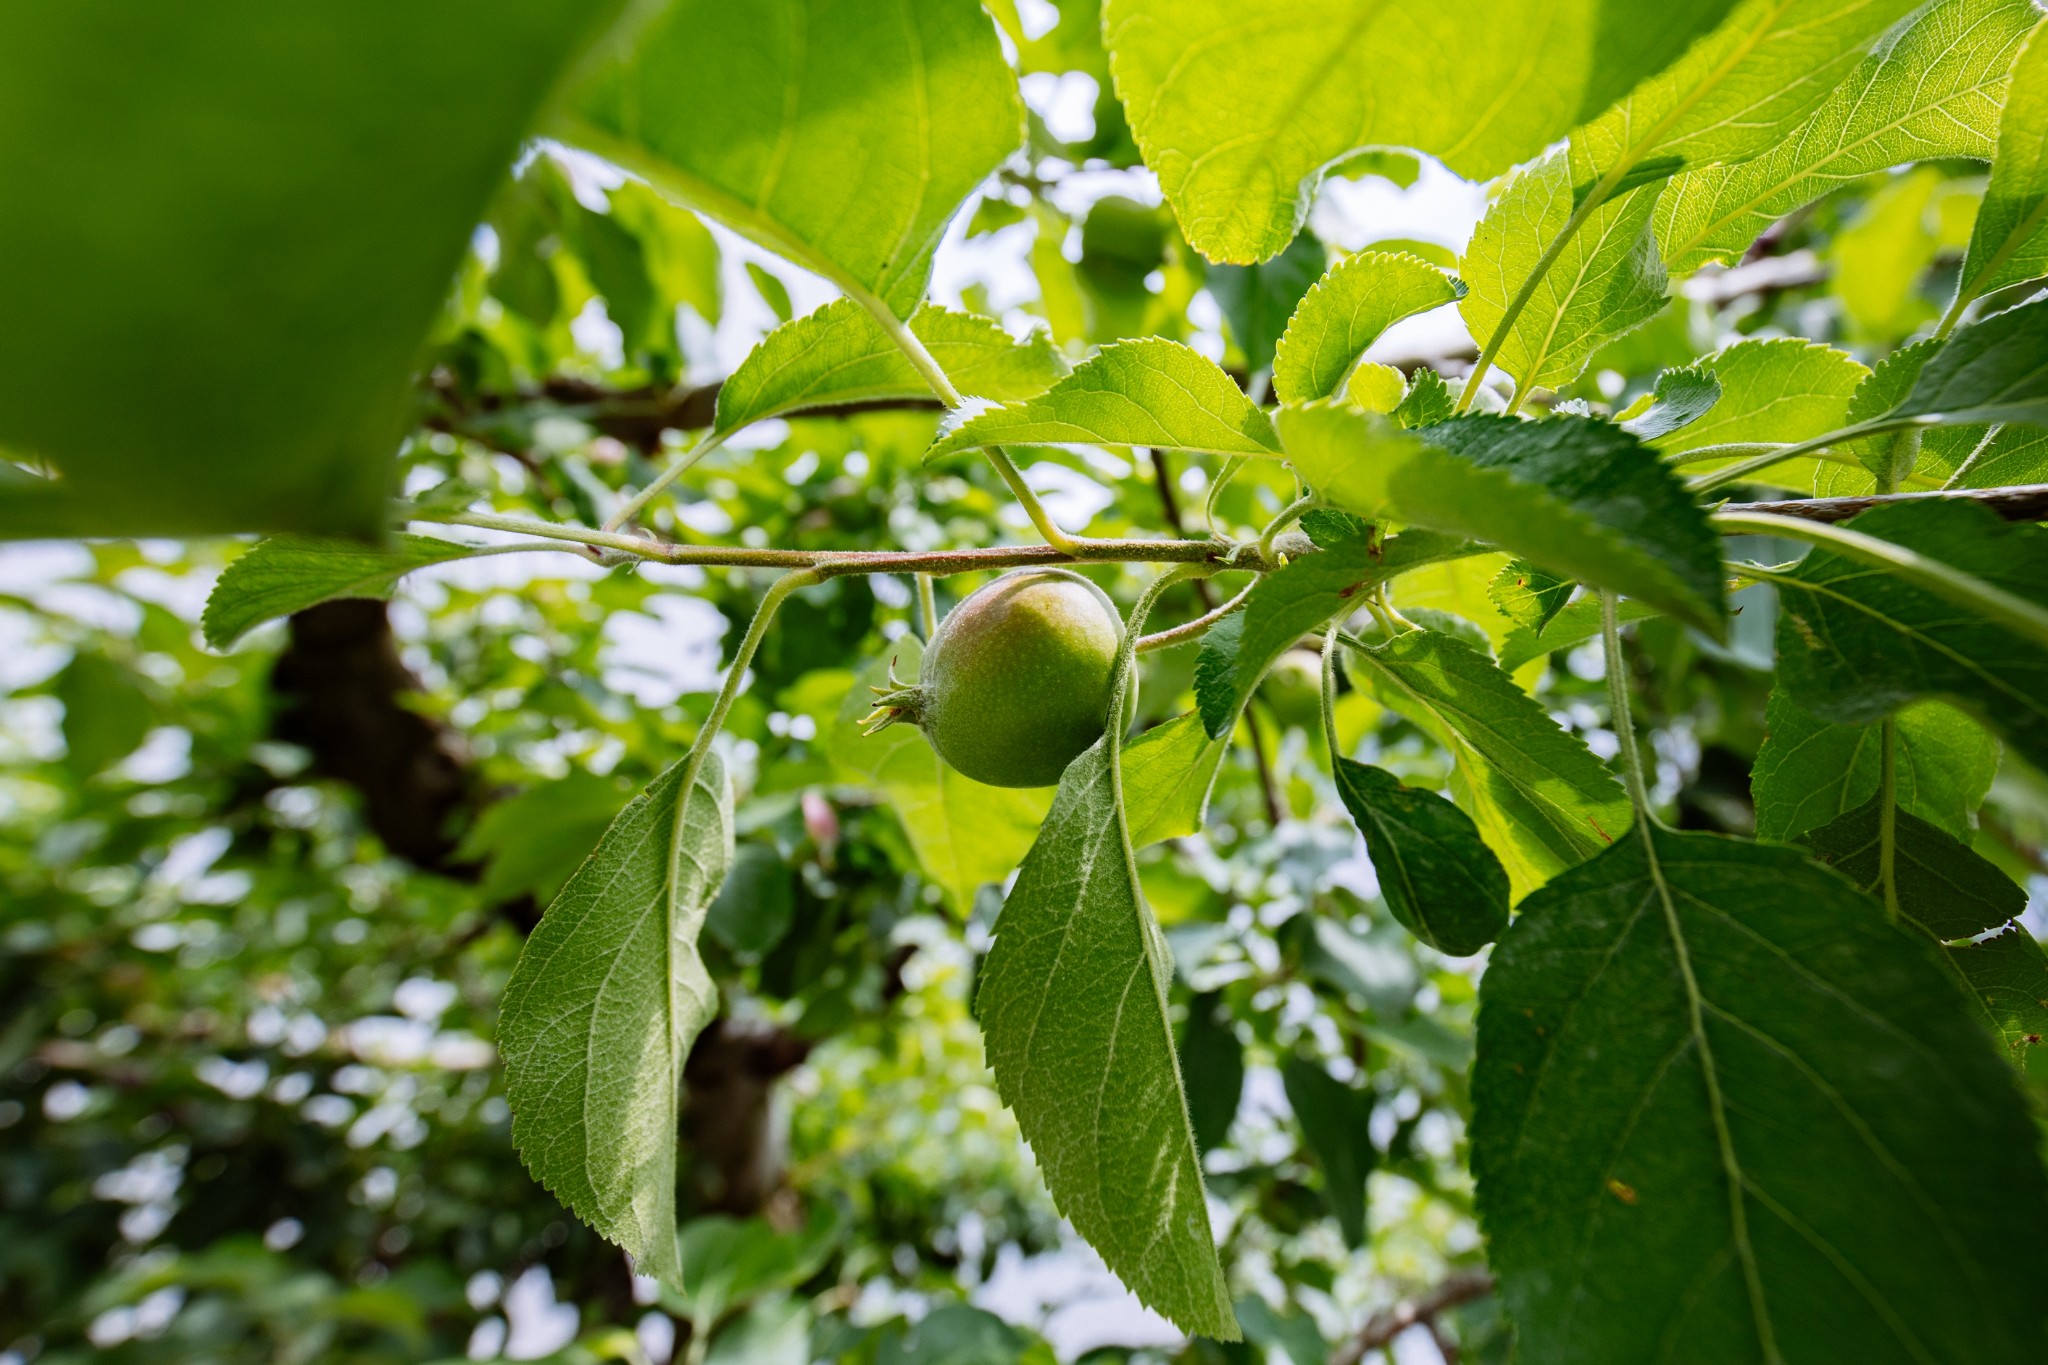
(256, 908)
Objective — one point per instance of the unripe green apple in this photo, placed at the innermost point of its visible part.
(1017, 679)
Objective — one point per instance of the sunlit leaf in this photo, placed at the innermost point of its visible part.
(1346, 312)
(1680, 398)
(1719, 1097)
(285, 574)
(1808, 772)
(1168, 772)
(1782, 389)
(2010, 240)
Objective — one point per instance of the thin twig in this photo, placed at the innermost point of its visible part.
(1459, 1287)
(1167, 639)
(2021, 502)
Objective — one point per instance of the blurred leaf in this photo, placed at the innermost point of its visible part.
(1856, 643)
(2010, 240)
(1942, 886)
(728, 1262)
(766, 119)
(1931, 88)
(1580, 497)
(1652, 1028)
(106, 713)
(965, 834)
(773, 291)
(1257, 300)
(239, 240)
(772, 1331)
(1443, 884)
(284, 574)
(1379, 967)
(839, 354)
(1073, 1010)
(1168, 773)
(1539, 797)
(1212, 1065)
(1335, 1121)
(601, 1010)
(1682, 396)
(681, 254)
(1153, 393)
(1809, 772)
(1346, 312)
(534, 841)
(754, 907)
(1880, 257)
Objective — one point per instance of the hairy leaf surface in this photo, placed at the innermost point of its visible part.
(1856, 643)
(840, 354)
(1579, 497)
(1724, 1112)
(1440, 880)
(1540, 798)
(603, 1005)
(1073, 1008)
(841, 136)
(1808, 772)
(284, 574)
(1346, 312)
(1931, 88)
(229, 237)
(1132, 393)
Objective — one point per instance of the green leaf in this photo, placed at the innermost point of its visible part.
(1212, 1061)
(1737, 93)
(1151, 392)
(1378, 967)
(285, 574)
(1809, 772)
(602, 1008)
(1782, 389)
(1073, 1009)
(1540, 798)
(773, 291)
(1720, 1098)
(2010, 240)
(1996, 371)
(681, 254)
(754, 907)
(1606, 280)
(1682, 396)
(1239, 110)
(1303, 596)
(1528, 596)
(840, 354)
(107, 714)
(1931, 88)
(1168, 773)
(1942, 886)
(965, 834)
(2009, 972)
(1576, 624)
(229, 236)
(1336, 1120)
(1346, 312)
(1580, 497)
(533, 842)
(1856, 643)
(1443, 884)
(837, 137)
(1427, 402)
(1257, 300)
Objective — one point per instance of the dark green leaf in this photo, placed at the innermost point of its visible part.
(229, 235)
(1443, 884)
(106, 713)
(1212, 1061)
(1336, 1122)
(2010, 975)
(1855, 643)
(769, 117)
(1996, 371)
(1942, 886)
(602, 1008)
(1580, 497)
(753, 909)
(285, 574)
(1808, 772)
(1540, 798)
(1720, 1098)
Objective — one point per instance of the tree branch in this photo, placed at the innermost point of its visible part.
(2022, 502)
(1458, 1288)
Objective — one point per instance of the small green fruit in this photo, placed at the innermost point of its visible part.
(1017, 679)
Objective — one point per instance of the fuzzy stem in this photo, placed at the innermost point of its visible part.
(1330, 696)
(1288, 515)
(677, 468)
(927, 607)
(1618, 704)
(1180, 634)
(736, 674)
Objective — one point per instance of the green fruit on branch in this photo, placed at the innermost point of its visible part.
(1016, 682)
